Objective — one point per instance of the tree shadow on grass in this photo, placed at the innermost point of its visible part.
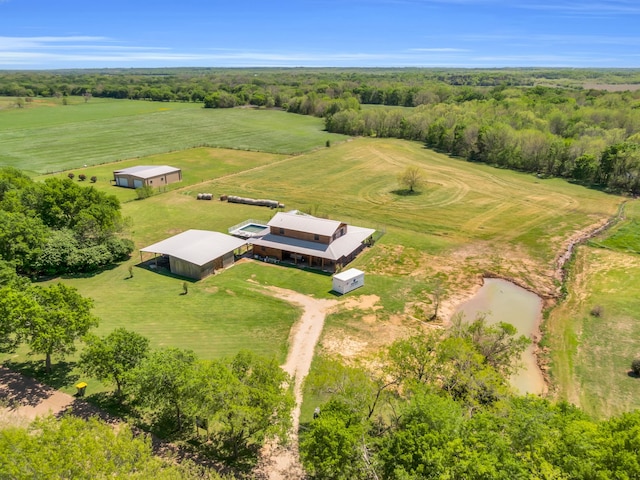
(405, 192)
(19, 389)
(62, 374)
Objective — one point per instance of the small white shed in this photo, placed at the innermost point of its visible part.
(348, 280)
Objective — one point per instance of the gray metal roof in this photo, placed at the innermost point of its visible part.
(147, 171)
(341, 247)
(304, 223)
(196, 246)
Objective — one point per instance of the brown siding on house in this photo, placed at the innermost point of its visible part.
(268, 252)
(310, 237)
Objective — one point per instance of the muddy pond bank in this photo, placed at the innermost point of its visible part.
(502, 301)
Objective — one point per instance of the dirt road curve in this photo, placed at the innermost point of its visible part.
(280, 463)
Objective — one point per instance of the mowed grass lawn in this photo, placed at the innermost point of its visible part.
(49, 137)
(591, 355)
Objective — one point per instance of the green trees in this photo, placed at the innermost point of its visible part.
(162, 382)
(242, 400)
(112, 358)
(58, 226)
(84, 449)
(62, 317)
(49, 319)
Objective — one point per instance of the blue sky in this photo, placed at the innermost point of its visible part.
(39, 34)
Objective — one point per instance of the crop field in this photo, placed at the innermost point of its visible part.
(594, 334)
(51, 137)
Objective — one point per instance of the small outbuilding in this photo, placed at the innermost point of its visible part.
(197, 253)
(348, 280)
(151, 175)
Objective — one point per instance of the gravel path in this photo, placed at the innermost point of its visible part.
(282, 462)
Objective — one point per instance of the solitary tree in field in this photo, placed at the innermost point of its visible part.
(411, 178)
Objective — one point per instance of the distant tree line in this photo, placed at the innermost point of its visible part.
(591, 137)
(504, 117)
(441, 407)
(277, 87)
(58, 226)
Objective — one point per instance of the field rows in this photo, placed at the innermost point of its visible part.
(63, 144)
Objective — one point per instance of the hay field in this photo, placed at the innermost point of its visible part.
(514, 222)
(52, 137)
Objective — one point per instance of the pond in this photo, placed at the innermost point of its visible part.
(503, 301)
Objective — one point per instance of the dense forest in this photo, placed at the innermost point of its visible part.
(542, 121)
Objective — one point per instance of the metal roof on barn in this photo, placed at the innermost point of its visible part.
(147, 171)
(196, 246)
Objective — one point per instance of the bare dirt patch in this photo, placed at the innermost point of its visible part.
(362, 302)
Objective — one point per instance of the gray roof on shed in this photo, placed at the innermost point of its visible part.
(340, 247)
(304, 223)
(196, 246)
(147, 171)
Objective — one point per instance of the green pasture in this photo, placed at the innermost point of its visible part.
(198, 165)
(591, 354)
(623, 236)
(52, 137)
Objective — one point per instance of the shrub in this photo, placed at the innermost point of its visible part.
(82, 177)
(71, 175)
(144, 192)
(597, 311)
(94, 179)
(120, 248)
(635, 367)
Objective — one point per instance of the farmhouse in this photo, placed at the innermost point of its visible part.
(197, 253)
(151, 175)
(307, 240)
